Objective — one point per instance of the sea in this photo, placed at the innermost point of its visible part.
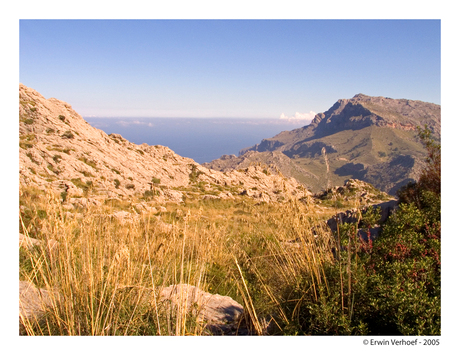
(202, 139)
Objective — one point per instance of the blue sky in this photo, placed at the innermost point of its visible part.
(227, 68)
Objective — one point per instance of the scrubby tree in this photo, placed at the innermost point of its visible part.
(392, 286)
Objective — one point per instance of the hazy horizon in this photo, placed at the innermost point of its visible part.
(202, 139)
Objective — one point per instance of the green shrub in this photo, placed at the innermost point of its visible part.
(57, 158)
(25, 145)
(85, 186)
(391, 286)
(405, 273)
(31, 157)
(86, 173)
(68, 135)
(193, 176)
(148, 193)
(87, 161)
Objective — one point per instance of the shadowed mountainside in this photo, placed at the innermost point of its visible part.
(373, 139)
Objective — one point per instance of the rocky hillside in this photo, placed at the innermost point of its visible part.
(276, 160)
(373, 139)
(58, 149)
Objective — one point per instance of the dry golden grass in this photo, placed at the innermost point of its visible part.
(108, 272)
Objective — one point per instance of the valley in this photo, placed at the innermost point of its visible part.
(289, 238)
(373, 139)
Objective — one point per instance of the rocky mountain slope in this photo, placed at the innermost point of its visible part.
(58, 149)
(373, 139)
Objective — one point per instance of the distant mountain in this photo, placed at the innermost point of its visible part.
(373, 139)
(59, 150)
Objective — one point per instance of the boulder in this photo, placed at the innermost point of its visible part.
(164, 227)
(125, 217)
(84, 202)
(226, 195)
(33, 303)
(350, 216)
(210, 197)
(387, 209)
(173, 196)
(219, 314)
(28, 242)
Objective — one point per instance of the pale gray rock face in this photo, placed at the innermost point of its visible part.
(60, 151)
(33, 303)
(28, 242)
(220, 314)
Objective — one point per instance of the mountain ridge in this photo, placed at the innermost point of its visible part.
(364, 137)
(59, 150)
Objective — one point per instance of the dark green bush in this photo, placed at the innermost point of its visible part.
(391, 286)
(148, 193)
(85, 186)
(117, 183)
(68, 135)
(57, 158)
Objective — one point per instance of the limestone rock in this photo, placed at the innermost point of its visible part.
(220, 314)
(28, 242)
(164, 227)
(227, 196)
(124, 216)
(33, 303)
(83, 202)
(210, 197)
(173, 196)
(59, 150)
(350, 216)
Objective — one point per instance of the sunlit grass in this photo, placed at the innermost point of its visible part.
(108, 272)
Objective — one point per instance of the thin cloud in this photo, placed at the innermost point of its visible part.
(299, 116)
(126, 123)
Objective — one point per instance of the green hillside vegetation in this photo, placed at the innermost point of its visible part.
(350, 153)
(373, 139)
(278, 260)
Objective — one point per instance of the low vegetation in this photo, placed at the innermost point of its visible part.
(279, 260)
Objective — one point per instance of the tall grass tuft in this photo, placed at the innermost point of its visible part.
(105, 274)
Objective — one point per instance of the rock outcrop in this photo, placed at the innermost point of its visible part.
(221, 315)
(59, 150)
(33, 303)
